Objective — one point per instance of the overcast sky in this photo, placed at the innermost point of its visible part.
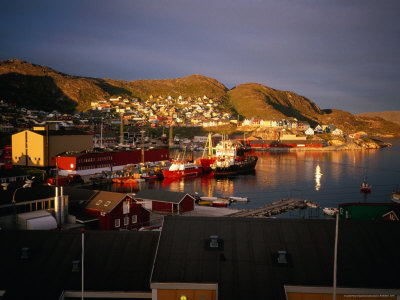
(339, 54)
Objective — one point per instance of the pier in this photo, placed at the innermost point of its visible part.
(271, 209)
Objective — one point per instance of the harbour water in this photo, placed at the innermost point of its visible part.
(327, 178)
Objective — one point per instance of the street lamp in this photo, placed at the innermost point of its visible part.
(28, 184)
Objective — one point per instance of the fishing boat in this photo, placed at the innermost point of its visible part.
(179, 169)
(238, 199)
(396, 196)
(231, 159)
(365, 188)
(330, 211)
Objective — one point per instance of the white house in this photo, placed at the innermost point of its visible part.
(309, 131)
(337, 131)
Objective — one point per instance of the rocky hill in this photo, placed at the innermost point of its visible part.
(39, 87)
(392, 116)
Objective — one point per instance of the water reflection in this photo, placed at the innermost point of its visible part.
(318, 176)
(327, 178)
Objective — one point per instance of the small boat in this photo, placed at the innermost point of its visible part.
(330, 211)
(396, 196)
(208, 198)
(218, 203)
(365, 188)
(312, 205)
(147, 176)
(238, 199)
(204, 203)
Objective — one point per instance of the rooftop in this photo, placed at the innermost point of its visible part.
(247, 267)
(114, 261)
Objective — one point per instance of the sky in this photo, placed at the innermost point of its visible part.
(339, 54)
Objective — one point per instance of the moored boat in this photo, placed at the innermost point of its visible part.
(330, 211)
(238, 199)
(396, 196)
(204, 203)
(182, 169)
(365, 187)
(218, 203)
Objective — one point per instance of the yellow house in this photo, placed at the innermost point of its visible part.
(38, 147)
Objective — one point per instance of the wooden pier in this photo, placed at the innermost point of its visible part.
(274, 208)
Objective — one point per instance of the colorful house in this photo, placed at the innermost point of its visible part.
(116, 211)
(166, 201)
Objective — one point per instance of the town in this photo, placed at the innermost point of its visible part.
(53, 166)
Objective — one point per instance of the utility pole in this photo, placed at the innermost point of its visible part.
(142, 132)
(121, 130)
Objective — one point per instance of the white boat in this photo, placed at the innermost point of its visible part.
(239, 199)
(330, 211)
(208, 198)
(396, 196)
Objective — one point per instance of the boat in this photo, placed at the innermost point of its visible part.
(396, 196)
(365, 188)
(149, 176)
(218, 203)
(330, 211)
(311, 204)
(208, 198)
(179, 169)
(204, 203)
(238, 199)
(231, 158)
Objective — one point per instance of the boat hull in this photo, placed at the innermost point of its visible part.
(396, 197)
(241, 167)
(182, 173)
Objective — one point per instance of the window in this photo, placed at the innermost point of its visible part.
(99, 202)
(126, 221)
(117, 223)
(107, 203)
(134, 219)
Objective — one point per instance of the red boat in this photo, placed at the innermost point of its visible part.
(365, 188)
(219, 204)
(182, 169)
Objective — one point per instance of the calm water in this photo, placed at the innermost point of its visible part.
(327, 178)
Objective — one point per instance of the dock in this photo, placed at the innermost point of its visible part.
(271, 209)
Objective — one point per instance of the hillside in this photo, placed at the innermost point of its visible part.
(349, 123)
(392, 116)
(39, 87)
(256, 100)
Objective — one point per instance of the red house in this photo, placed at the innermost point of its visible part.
(166, 201)
(117, 211)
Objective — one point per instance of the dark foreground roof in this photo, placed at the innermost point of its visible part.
(247, 267)
(114, 261)
(159, 195)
